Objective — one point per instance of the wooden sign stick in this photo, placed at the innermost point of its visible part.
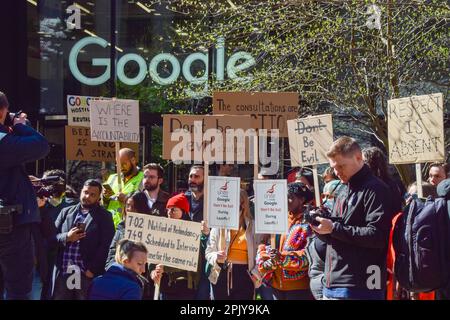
(118, 166)
(419, 180)
(316, 185)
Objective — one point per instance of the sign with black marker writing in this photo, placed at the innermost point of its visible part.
(115, 120)
(170, 242)
(416, 129)
(78, 110)
(271, 211)
(223, 202)
(309, 139)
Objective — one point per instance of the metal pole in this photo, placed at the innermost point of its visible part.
(113, 88)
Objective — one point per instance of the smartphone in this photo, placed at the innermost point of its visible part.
(81, 226)
(108, 188)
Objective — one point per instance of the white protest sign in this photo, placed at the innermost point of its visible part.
(171, 242)
(115, 120)
(78, 110)
(309, 139)
(416, 129)
(271, 210)
(223, 202)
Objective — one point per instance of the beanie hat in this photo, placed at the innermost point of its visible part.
(179, 201)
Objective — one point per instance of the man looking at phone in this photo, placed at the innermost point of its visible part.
(84, 234)
(113, 199)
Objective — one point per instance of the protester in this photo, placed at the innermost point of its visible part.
(328, 175)
(123, 280)
(357, 245)
(286, 267)
(443, 190)
(131, 179)
(84, 234)
(195, 199)
(437, 173)
(305, 176)
(19, 144)
(152, 200)
(330, 191)
(377, 162)
(233, 265)
(177, 284)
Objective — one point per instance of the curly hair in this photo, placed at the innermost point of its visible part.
(377, 162)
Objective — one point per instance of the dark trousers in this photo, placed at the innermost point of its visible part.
(293, 295)
(16, 262)
(62, 291)
(179, 291)
(242, 288)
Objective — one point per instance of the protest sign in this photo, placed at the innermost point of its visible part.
(416, 129)
(170, 242)
(190, 138)
(80, 147)
(115, 120)
(271, 110)
(78, 109)
(223, 202)
(271, 211)
(309, 139)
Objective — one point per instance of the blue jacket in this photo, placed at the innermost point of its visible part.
(22, 145)
(118, 283)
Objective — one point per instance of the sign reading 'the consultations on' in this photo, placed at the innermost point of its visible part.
(271, 211)
(309, 139)
(171, 242)
(223, 202)
(115, 120)
(271, 110)
(416, 129)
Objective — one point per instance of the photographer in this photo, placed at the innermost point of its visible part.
(19, 144)
(355, 262)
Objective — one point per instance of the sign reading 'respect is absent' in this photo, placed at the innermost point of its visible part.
(223, 202)
(115, 120)
(416, 129)
(271, 211)
(309, 140)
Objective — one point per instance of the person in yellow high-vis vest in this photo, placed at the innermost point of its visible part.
(131, 177)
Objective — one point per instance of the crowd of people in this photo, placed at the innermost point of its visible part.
(74, 245)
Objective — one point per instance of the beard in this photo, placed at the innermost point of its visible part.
(86, 205)
(151, 187)
(196, 187)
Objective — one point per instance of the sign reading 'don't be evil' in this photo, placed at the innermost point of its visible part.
(115, 120)
(223, 202)
(271, 110)
(80, 147)
(416, 129)
(271, 211)
(78, 110)
(171, 242)
(309, 139)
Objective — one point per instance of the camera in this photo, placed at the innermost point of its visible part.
(48, 186)
(311, 213)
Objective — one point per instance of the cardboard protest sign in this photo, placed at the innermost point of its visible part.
(271, 210)
(223, 202)
(271, 110)
(190, 138)
(309, 139)
(115, 120)
(171, 242)
(78, 109)
(80, 147)
(416, 129)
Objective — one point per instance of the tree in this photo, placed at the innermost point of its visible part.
(347, 57)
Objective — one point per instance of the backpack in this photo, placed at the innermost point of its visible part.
(422, 246)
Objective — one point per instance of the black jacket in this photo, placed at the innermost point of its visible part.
(22, 145)
(94, 247)
(158, 208)
(361, 239)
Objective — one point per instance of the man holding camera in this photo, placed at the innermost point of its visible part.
(355, 261)
(19, 144)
